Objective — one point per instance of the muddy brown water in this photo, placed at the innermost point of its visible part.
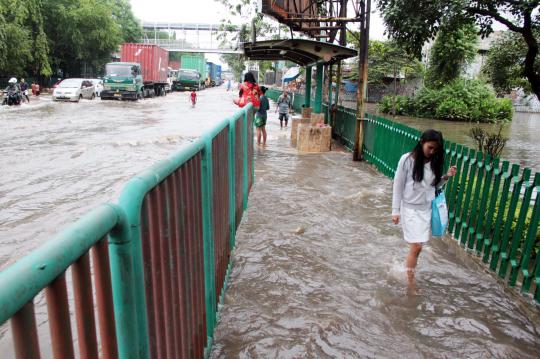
(318, 266)
(318, 273)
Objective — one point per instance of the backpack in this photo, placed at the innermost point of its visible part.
(250, 93)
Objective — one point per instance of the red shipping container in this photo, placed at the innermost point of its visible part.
(153, 59)
(174, 64)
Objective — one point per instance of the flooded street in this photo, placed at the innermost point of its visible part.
(59, 160)
(318, 268)
(318, 273)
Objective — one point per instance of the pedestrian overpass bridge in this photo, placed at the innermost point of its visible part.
(195, 37)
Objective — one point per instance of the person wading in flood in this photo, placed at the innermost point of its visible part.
(261, 116)
(283, 104)
(418, 175)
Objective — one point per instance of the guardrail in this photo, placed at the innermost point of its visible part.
(494, 206)
(170, 239)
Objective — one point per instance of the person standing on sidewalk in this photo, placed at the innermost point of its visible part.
(261, 116)
(419, 173)
(283, 105)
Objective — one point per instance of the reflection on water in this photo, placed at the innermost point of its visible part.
(338, 290)
(523, 146)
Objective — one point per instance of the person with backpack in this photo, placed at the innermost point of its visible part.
(249, 92)
(283, 105)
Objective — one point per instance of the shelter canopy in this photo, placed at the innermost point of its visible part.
(300, 51)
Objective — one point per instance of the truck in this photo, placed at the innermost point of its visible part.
(192, 73)
(142, 72)
(214, 74)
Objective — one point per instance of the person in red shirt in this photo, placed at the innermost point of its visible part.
(193, 98)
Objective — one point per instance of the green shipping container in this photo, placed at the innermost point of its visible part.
(195, 62)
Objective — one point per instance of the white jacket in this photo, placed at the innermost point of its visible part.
(409, 193)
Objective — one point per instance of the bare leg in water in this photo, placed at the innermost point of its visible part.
(412, 260)
(261, 131)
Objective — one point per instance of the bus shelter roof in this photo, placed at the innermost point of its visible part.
(300, 51)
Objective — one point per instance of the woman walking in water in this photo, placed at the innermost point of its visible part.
(418, 175)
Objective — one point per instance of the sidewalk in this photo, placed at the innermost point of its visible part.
(318, 273)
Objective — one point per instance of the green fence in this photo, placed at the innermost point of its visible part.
(493, 205)
(158, 261)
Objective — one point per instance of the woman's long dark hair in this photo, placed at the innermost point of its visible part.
(249, 77)
(436, 161)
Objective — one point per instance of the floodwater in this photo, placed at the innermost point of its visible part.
(523, 133)
(59, 160)
(318, 273)
(318, 265)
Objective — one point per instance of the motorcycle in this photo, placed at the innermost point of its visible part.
(12, 97)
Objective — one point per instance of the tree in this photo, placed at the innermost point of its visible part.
(504, 64)
(23, 46)
(130, 28)
(81, 32)
(454, 47)
(412, 23)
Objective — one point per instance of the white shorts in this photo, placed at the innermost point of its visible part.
(416, 224)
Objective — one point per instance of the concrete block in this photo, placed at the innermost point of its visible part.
(317, 118)
(314, 138)
(295, 122)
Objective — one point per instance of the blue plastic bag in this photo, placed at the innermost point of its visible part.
(439, 215)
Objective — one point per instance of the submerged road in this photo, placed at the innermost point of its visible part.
(318, 265)
(59, 160)
(318, 273)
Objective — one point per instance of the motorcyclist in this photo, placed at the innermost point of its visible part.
(13, 88)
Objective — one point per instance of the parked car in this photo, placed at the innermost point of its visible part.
(74, 90)
(98, 86)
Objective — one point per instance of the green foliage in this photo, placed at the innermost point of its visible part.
(130, 28)
(460, 100)
(386, 59)
(39, 35)
(504, 64)
(452, 50)
(413, 23)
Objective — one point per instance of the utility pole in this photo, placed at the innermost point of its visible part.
(362, 79)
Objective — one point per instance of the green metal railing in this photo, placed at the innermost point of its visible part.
(170, 239)
(493, 205)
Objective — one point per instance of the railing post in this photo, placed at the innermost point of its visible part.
(318, 91)
(232, 182)
(307, 100)
(245, 143)
(124, 290)
(208, 236)
(131, 202)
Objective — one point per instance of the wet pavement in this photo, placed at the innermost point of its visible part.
(318, 273)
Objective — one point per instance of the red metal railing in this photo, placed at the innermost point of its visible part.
(169, 241)
(220, 174)
(84, 282)
(239, 171)
(171, 234)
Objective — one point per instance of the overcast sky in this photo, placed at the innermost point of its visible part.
(207, 11)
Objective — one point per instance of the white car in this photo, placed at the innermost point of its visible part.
(74, 90)
(98, 86)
